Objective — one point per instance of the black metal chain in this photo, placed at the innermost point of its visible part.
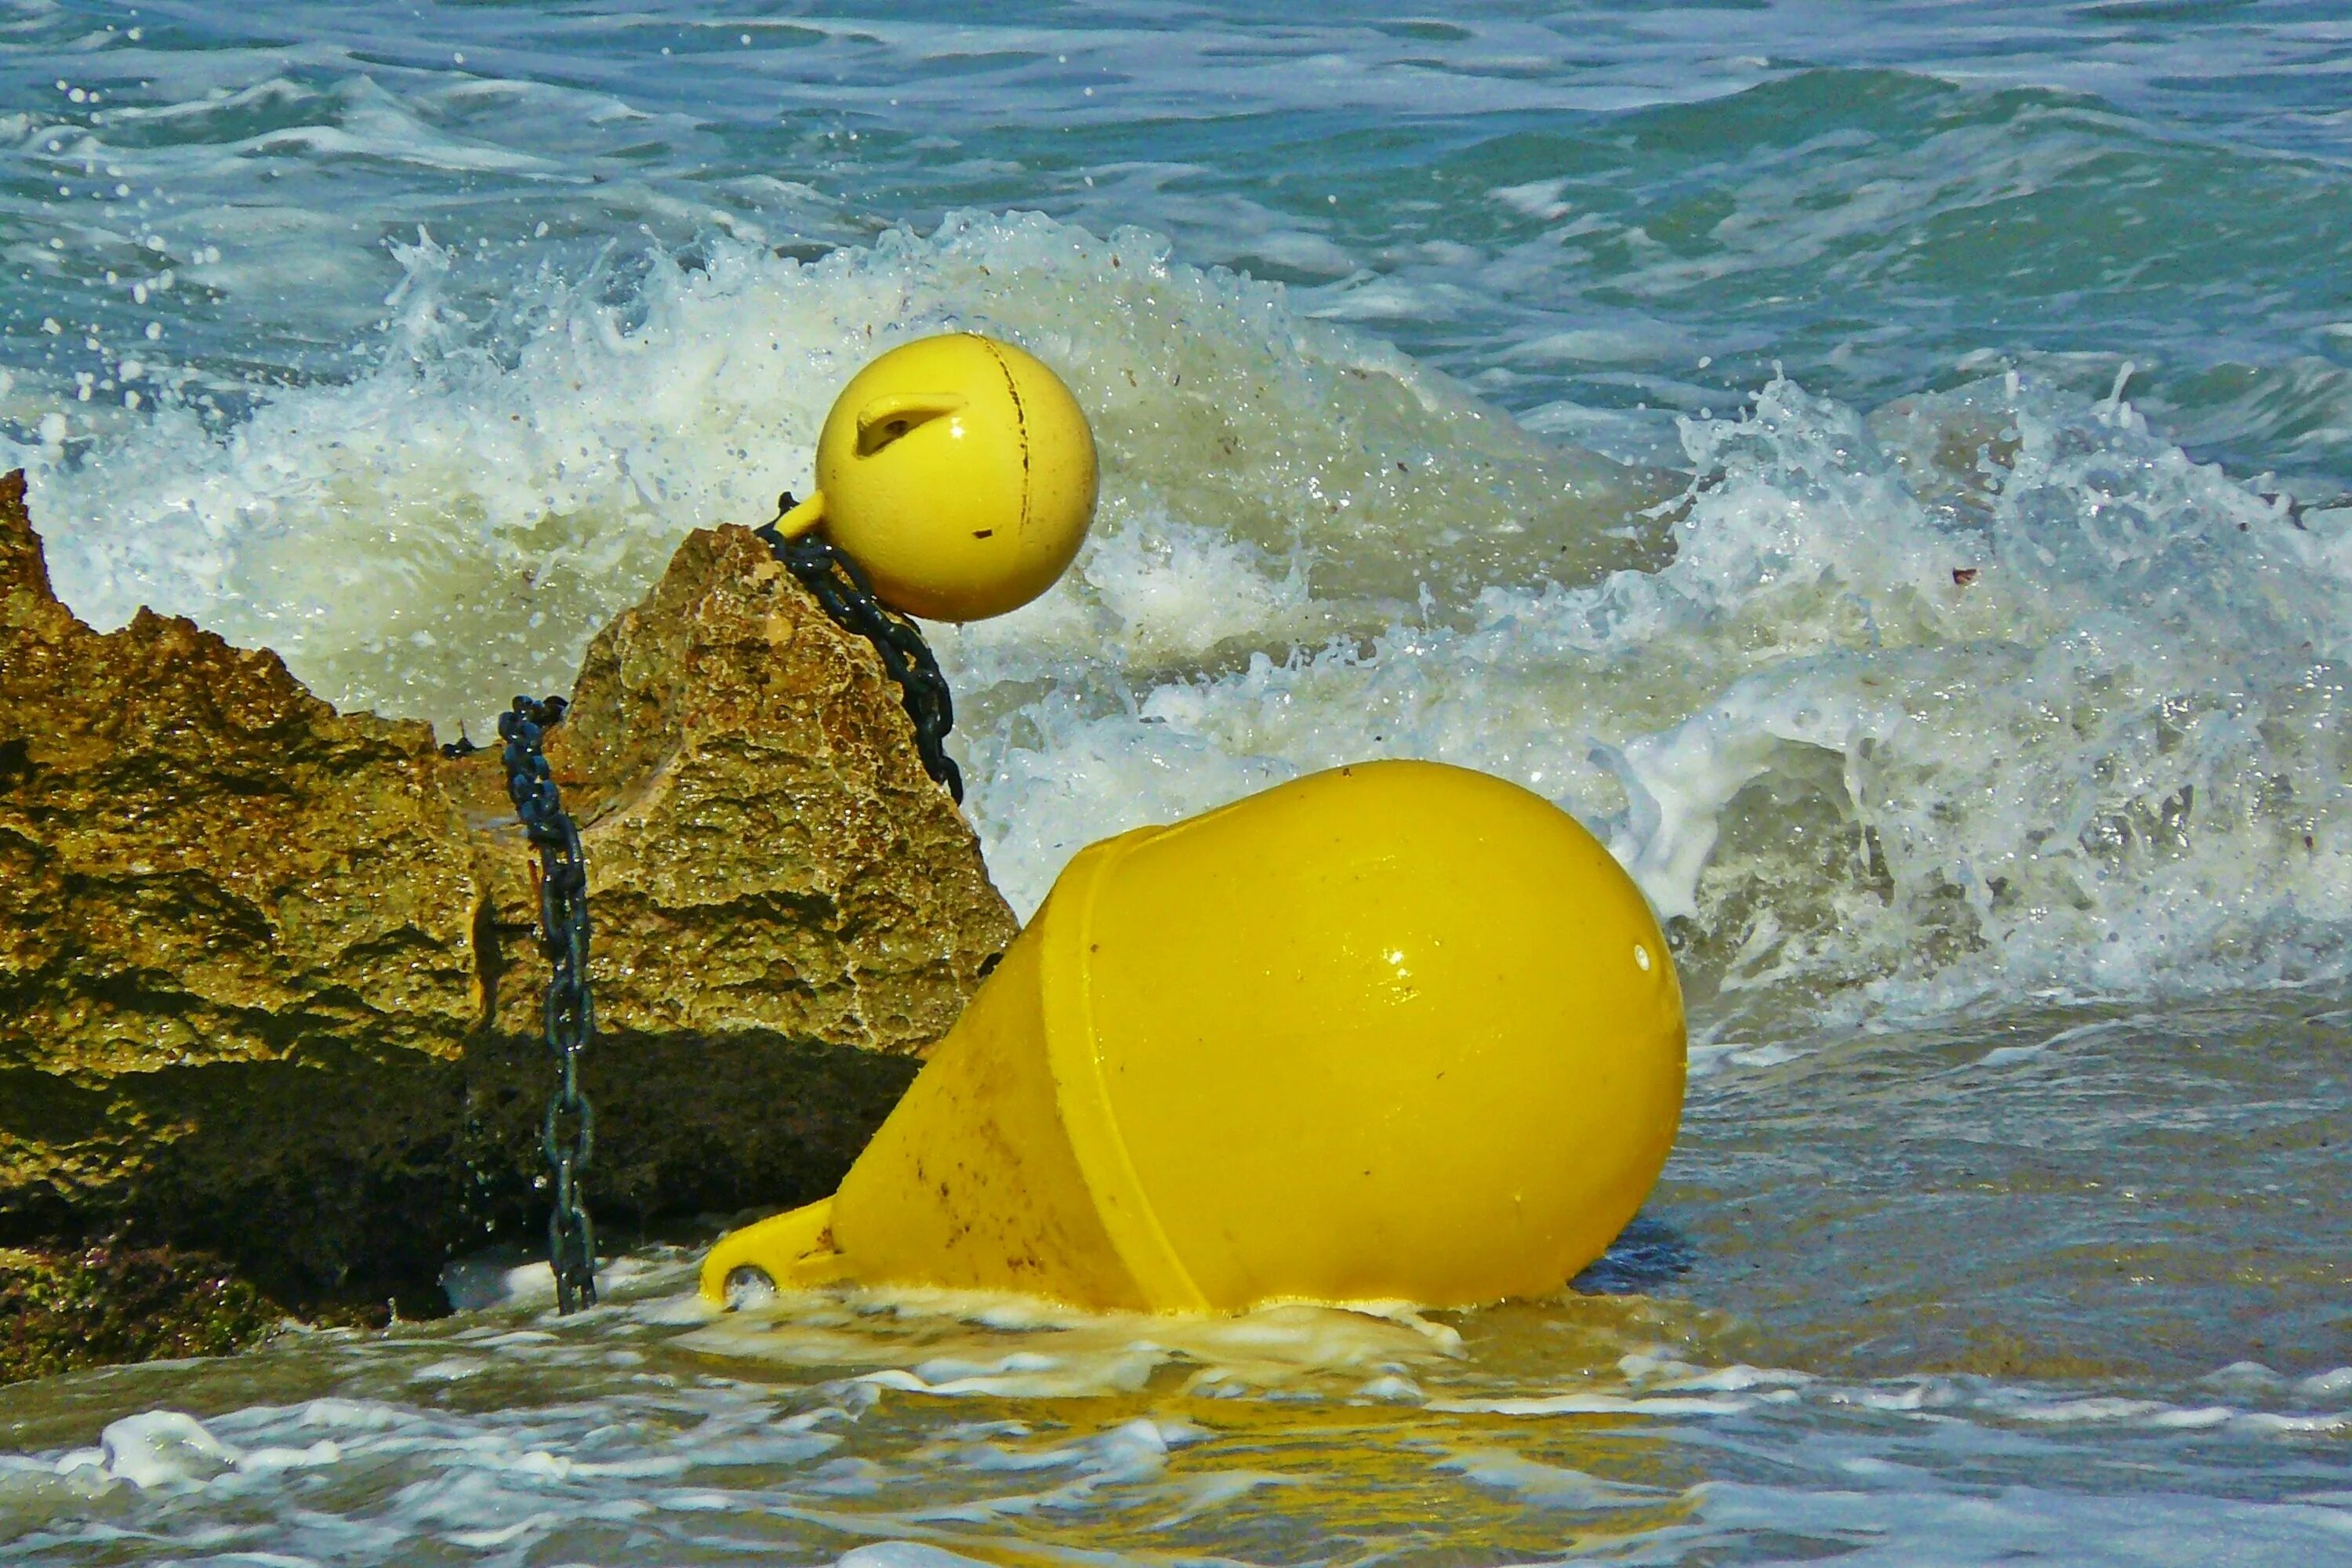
(842, 587)
(569, 1018)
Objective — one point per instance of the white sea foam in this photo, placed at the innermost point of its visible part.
(2054, 716)
(170, 1450)
(833, 1427)
(944, 1344)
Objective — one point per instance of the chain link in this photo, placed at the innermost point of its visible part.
(569, 1019)
(841, 587)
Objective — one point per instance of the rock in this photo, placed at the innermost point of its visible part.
(268, 976)
(63, 1312)
(201, 861)
(755, 808)
(768, 864)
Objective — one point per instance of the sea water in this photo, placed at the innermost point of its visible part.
(1884, 469)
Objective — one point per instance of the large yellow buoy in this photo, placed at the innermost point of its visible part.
(958, 472)
(1398, 1030)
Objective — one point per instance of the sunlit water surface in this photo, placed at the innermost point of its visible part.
(1974, 718)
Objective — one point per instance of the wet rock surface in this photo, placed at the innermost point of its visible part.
(269, 975)
(201, 862)
(61, 1311)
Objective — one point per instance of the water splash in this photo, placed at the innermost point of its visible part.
(1991, 693)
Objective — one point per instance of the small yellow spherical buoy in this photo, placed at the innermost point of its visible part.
(1397, 1030)
(959, 473)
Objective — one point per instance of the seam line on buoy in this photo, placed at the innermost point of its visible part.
(1137, 1237)
(1020, 427)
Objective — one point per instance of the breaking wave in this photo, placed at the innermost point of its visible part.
(1989, 692)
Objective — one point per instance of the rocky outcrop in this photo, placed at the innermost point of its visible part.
(269, 980)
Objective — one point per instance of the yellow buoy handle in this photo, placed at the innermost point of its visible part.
(885, 419)
(802, 518)
(791, 1251)
(880, 423)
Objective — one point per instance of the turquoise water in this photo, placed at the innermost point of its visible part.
(1975, 721)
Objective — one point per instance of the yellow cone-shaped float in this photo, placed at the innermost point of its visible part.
(1398, 1030)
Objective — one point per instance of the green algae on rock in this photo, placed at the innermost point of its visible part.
(63, 1312)
(268, 977)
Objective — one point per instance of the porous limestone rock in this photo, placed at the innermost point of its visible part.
(269, 975)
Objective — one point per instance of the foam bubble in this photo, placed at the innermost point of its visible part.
(163, 1447)
(955, 1345)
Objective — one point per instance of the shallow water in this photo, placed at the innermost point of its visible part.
(1973, 716)
(2063, 1287)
